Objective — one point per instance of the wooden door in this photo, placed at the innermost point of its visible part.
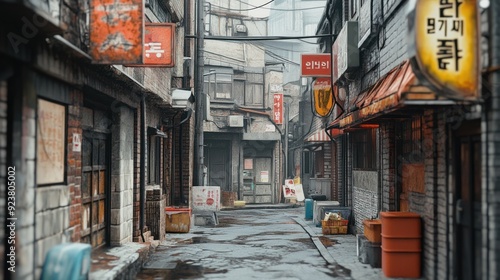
(95, 187)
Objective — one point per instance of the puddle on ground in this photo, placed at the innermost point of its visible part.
(183, 270)
(327, 242)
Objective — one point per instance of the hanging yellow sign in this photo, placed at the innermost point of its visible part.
(444, 39)
(322, 97)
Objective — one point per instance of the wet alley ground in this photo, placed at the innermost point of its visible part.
(255, 244)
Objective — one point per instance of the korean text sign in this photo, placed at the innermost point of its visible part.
(278, 108)
(116, 35)
(446, 40)
(315, 65)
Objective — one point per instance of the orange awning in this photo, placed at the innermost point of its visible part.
(396, 89)
(321, 136)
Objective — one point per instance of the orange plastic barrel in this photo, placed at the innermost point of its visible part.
(401, 244)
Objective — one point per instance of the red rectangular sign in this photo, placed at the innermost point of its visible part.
(116, 31)
(316, 65)
(158, 45)
(278, 108)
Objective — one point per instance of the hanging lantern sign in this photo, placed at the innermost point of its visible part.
(444, 40)
(322, 97)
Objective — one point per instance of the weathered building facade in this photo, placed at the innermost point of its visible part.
(403, 147)
(243, 143)
(83, 142)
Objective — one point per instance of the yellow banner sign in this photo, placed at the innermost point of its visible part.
(446, 46)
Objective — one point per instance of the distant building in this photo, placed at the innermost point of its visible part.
(243, 139)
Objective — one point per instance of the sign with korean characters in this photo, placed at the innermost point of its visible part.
(278, 108)
(315, 65)
(444, 43)
(322, 97)
(116, 31)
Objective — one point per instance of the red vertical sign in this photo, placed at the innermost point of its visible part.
(278, 108)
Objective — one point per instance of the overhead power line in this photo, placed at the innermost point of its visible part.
(286, 10)
(242, 10)
(264, 38)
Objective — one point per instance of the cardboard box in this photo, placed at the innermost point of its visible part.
(372, 230)
(177, 219)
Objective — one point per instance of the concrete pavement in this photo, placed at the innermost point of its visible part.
(266, 242)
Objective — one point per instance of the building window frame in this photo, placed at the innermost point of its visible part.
(219, 86)
(412, 131)
(364, 149)
(154, 160)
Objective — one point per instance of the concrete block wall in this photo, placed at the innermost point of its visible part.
(25, 186)
(122, 177)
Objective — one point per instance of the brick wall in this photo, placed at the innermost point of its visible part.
(394, 50)
(387, 166)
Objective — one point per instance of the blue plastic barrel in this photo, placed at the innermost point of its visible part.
(309, 208)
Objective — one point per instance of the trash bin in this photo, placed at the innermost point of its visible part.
(177, 219)
(67, 261)
(309, 209)
(401, 244)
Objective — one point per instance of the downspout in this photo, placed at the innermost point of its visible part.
(181, 175)
(172, 159)
(187, 30)
(142, 171)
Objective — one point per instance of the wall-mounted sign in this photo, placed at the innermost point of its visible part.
(116, 31)
(77, 142)
(278, 108)
(345, 50)
(315, 65)
(322, 96)
(444, 39)
(159, 45)
(51, 142)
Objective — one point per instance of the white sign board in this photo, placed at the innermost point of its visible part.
(206, 198)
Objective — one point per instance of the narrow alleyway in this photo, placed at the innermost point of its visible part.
(247, 244)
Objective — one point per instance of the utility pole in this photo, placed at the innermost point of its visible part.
(200, 96)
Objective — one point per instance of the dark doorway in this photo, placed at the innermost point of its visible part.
(218, 163)
(468, 203)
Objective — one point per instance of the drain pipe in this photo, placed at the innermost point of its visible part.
(142, 171)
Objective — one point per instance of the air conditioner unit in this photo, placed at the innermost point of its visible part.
(235, 121)
(240, 28)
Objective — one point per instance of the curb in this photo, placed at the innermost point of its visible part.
(315, 239)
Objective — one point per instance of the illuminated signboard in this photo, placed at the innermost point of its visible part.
(278, 108)
(315, 65)
(116, 31)
(444, 42)
(322, 97)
